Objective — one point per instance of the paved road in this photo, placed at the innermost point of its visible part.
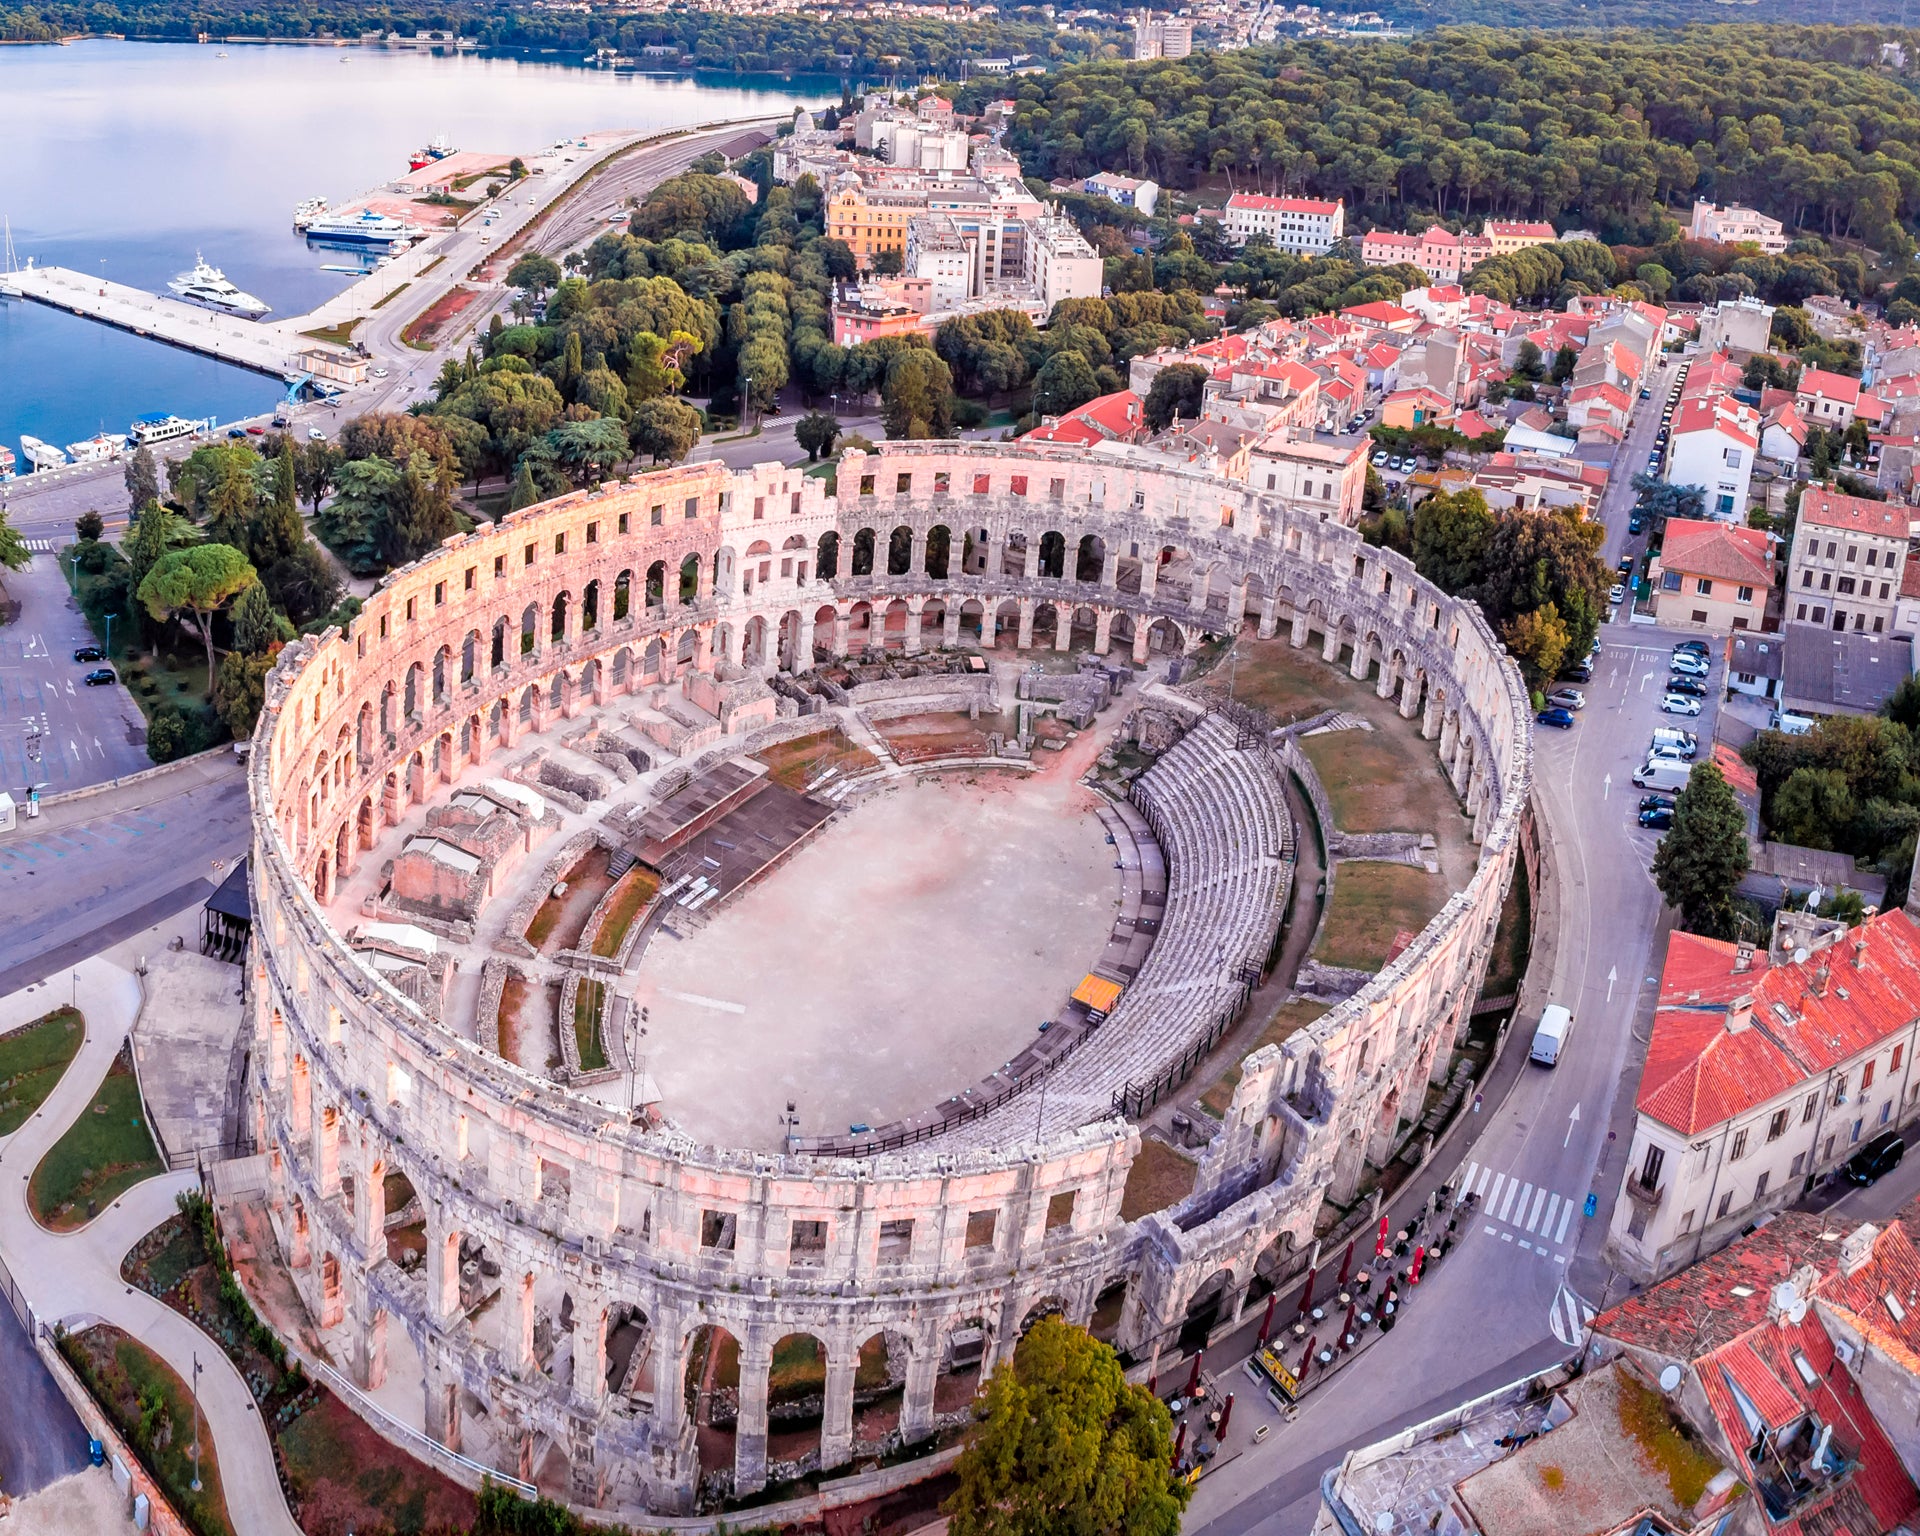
(41, 1437)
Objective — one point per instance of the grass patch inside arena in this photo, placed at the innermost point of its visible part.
(1370, 906)
(796, 764)
(1287, 1018)
(637, 887)
(1159, 1177)
(32, 1060)
(1381, 781)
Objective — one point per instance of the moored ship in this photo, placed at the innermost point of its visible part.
(160, 427)
(366, 228)
(208, 287)
(41, 455)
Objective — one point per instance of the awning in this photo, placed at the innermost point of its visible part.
(1097, 993)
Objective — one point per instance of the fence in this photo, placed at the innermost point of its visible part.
(17, 1301)
(463, 1469)
(1135, 1099)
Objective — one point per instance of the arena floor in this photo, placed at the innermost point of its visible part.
(910, 949)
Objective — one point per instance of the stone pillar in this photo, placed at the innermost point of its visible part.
(587, 1479)
(1269, 615)
(370, 1343)
(1031, 569)
(370, 1211)
(1062, 626)
(669, 655)
(1026, 623)
(443, 1271)
(1110, 568)
(1409, 693)
(1389, 678)
(326, 1151)
(1140, 638)
(840, 634)
(950, 627)
(750, 1425)
(515, 1444)
(1431, 722)
(1482, 814)
(1302, 625)
(1102, 631)
(1448, 737)
(1330, 651)
(516, 1320)
(300, 1104)
(917, 1400)
(1357, 669)
(703, 648)
(912, 642)
(589, 1349)
(443, 1406)
(1347, 1164)
(733, 646)
(836, 1425)
(803, 644)
(1460, 770)
(1236, 604)
(1149, 573)
(301, 1249)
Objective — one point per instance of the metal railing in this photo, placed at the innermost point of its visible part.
(17, 1301)
(428, 1448)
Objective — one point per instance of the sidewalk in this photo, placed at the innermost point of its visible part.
(133, 791)
(75, 1277)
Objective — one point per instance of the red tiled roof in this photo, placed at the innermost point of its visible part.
(1861, 514)
(1834, 386)
(1698, 548)
(1116, 416)
(1717, 413)
(1513, 230)
(1805, 1017)
(1264, 204)
(1380, 312)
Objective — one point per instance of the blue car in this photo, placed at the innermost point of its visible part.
(1563, 718)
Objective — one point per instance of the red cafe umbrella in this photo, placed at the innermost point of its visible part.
(1306, 1360)
(1346, 1328)
(1226, 1413)
(1346, 1267)
(1380, 1243)
(1193, 1379)
(1266, 1323)
(1306, 1292)
(1180, 1444)
(1419, 1256)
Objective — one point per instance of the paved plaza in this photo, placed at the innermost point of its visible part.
(913, 948)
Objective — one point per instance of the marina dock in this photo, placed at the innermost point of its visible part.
(264, 346)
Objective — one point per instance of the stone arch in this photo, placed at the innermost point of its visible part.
(557, 686)
(963, 1357)
(1046, 623)
(1083, 628)
(1120, 631)
(622, 596)
(1006, 623)
(558, 631)
(412, 701)
(404, 1221)
(469, 656)
(622, 668)
(363, 736)
(526, 706)
(689, 581)
(725, 568)
(529, 628)
(1109, 1307)
(650, 658)
(497, 722)
(688, 646)
(973, 615)
(323, 877)
(862, 562)
(497, 653)
(826, 556)
(826, 621)
(1090, 561)
(879, 1384)
(416, 777)
(893, 627)
(1210, 1299)
(590, 677)
(364, 824)
(1042, 1307)
(590, 607)
(933, 620)
(792, 641)
(386, 709)
(1053, 554)
(442, 675)
(657, 584)
(753, 642)
(1013, 553)
(343, 850)
(939, 554)
(1219, 586)
(796, 1397)
(1165, 635)
(900, 551)
(860, 626)
(629, 1352)
(710, 1383)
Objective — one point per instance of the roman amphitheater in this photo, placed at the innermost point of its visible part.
(723, 947)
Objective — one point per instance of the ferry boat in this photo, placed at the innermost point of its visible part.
(96, 449)
(306, 212)
(208, 287)
(367, 228)
(41, 455)
(159, 427)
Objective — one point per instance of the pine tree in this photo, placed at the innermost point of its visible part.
(1701, 860)
(525, 491)
(255, 625)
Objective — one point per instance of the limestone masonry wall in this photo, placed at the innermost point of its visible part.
(575, 1224)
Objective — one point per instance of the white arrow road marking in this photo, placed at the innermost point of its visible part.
(1573, 1119)
(1613, 975)
(1606, 787)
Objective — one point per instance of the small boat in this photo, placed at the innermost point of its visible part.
(41, 455)
(7, 462)
(160, 427)
(306, 212)
(208, 287)
(96, 450)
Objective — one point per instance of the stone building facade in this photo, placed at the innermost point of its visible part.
(588, 1224)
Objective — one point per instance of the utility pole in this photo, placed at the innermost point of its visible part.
(195, 1447)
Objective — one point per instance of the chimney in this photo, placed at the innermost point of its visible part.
(1742, 958)
(1856, 1248)
(1859, 954)
(1819, 987)
(1740, 1013)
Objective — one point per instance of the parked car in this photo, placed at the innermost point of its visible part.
(100, 677)
(1698, 647)
(256, 430)
(1579, 672)
(1878, 1157)
(1562, 718)
(236, 431)
(1379, 459)
(1690, 664)
(1636, 524)
(1679, 704)
(1567, 698)
(1616, 594)
(1658, 819)
(1691, 686)
(316, 434)
(89, 653)
(1646, 394)
(1656, 803)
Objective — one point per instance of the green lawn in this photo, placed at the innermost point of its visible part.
(1371, 904)
(1293, 684)
(589, 1002)
(32, 1060)
(637, 888)
(1159, 1177)
(1382, 781)
(106, 1151)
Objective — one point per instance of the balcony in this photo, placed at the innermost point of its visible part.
(1645, 1194)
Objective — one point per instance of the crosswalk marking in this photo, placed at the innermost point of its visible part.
(1539, 1200)
(1542, 1213)
(1569, 1316)
(1561, 1235)
(1513, 1189)
(39, 546)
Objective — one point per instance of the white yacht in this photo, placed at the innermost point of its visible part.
(304, 213)
(96, 449)
(159, 427)
(41, 455)
(208, 286)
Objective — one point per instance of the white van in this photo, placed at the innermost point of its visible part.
(1668, 777)
(1551, 1036)
(1684, 742)
(1790, 724)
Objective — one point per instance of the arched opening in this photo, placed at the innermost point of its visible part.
(469, 656)
(1046, 1306)
(972, 613)
(1091, 560)
(862, 553)
(1053, 555)
(859, 628)
(497, 655)
(412, 694)
(723, 571)
(825, 622)
(879, 1387)
(442, 664)
(526, 707)
(363, 738)
(1006, 624)
(650, 659)
(961, 1355)
(1165, 636)
(557, 691)
(1046, 622)
(753, 646)
(559, 629)
(629, 1353)
(323, 879)
(791, 627)
(900, 551)
(1013, 554)
(688, 647)
(796, 1400)
(1084, 629)
(893, 634)
(590, 677)
(622, 595)
(386, 710)
(939, 551)
(1108, 1308)
(689, 581)
(933, 622)
(343, 850)
(826, 558)
(1120, 631)
(590, 607)
(1219, 585)
(363, 824)
(1204, 1309)
(657, 584)
(712, 1388)
(622, 666)
(405, 1222)
(529, 628)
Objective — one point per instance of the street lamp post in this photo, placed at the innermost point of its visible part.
(195, 1447)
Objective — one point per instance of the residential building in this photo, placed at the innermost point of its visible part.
(1505, 235)
(1444, 256)
(1060, 264)
(937, 253)
(1824, 673)
(1737, 325)
(895, 308)
(1848, 561)
(1418, 406)
(870, 221)
(1124, 190)
(1116, 418)
(1304, 225)
(1827, 399)
(1755, 664)
(1326, 475)
(1712, 575)
(1713, 445)
(1783, 434)
(1532, 483)
(1736, 226)
(1764, 1070)
(1163, 37)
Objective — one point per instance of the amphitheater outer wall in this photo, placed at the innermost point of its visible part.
(354, 1082)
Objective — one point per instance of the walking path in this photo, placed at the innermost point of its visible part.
(74, 1278)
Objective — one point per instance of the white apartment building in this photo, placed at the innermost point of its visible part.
(1324, 477)
(1714, 443)
(1736, 226)
(1059, 262)
(1304, 225)
(937, 251)
(1166, 37)
(1848, 561)
(1765, 1070)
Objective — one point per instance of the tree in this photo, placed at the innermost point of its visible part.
(1564, 362)
(1701, 860)
(155, 530)
(1177, 390)
(1066, 1446)
(88, 527)
(419, 516)
(1814, 808)
(666, 429)
(314, 471)
(534, 273)
(241, 692)
(255, 625)
(1064, 383)
(14, 553)
(1536, 558)
(303, 582)
(1656, 501)
(816, 432)
(1527, 362)
(916, 400)
(526, 492)
(143, 478)
(1538, 642)
(1451, 534)
(199, 581)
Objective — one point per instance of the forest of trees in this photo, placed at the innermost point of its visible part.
(1610, 132)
